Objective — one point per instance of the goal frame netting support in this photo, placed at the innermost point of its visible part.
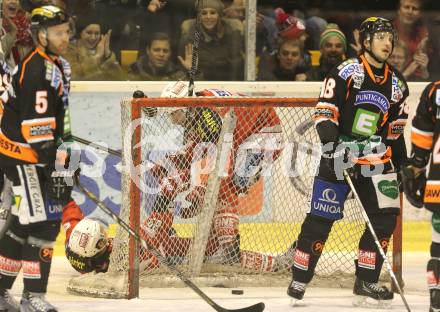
(127, 273)
(135, 195)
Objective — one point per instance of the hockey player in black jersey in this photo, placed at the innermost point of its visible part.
(33, 126)
(360, 117)
(422, 191)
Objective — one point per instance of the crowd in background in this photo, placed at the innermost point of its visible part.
(296, 40)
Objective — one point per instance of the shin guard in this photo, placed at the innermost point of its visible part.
(369, 262)
(310, 243)
(37, 260)
(10, 259)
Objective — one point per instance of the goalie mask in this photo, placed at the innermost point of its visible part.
(88, 238)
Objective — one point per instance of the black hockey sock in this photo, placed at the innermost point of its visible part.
(369, 262)
(36, 267)
(311, 241)
(10, 260)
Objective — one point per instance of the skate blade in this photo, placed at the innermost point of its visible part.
(367, 302)
(296, 303)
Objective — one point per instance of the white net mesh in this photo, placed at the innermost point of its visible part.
(224, 221)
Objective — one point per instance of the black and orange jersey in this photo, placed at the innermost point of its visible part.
(34, 117)
(359, 101)
(425, 139)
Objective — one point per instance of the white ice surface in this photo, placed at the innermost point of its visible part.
(275, 299)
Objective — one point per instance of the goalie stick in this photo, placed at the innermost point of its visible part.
(97, 146)
(376, 240)
(259, 307)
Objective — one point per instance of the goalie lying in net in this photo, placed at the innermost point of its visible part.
(254, 127)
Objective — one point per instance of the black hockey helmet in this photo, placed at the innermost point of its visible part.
(373, 25)
(47, 16)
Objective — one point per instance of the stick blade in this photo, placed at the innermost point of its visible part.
(259, 307)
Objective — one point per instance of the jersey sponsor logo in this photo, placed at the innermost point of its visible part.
(31, 269)
(432, 280)
(40, 130)
(384, 242)
(220, 93)
(389, 188)
(437, 97)
(398, 87)
(367, 259)
(152, 226)
(348, 70)
(9, 146)
(318, 247)
(372, 97)
(325, 112)
(365, 122)
(46, 254)
(9, 267)
(432, 193)
(301, 260)
(327, 199)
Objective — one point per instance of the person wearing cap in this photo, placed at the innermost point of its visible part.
(333, 46)
(34, 125)
(221, 46)
(90, 55)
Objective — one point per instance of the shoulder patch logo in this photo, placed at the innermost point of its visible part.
(348, 68)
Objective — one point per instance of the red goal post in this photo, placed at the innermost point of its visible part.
(274, 206)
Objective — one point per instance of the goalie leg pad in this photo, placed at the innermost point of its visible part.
(226, 224)
(369, 262)
(311, 241)
(433, 276)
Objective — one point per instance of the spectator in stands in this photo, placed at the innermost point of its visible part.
(90, 55)
(409, 24)
(333, 46)
(412, 30)
(16, 39)
(156, 64)
(291, 27)
(287, 65)
(221, 45)
(400, 60)
(434, 49)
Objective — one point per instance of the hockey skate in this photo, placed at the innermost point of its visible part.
(7, 302)
(371, 295)
(285, 261)
(35, 302)
(434, 295)
(296, 290)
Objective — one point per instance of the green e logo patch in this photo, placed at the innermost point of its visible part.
(365, 122)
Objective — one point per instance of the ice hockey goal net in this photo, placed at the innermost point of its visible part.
(270, 208)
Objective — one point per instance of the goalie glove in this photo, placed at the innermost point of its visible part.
(414, 185)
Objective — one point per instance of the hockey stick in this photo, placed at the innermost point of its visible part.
(97, 146)
(376, 240)
(195, 51)
(253, 308)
